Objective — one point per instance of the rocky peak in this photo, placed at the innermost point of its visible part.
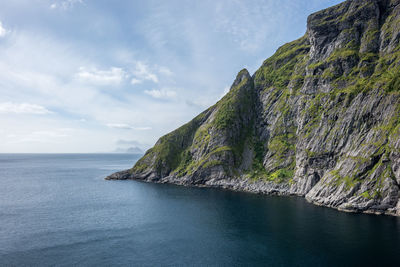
(344, 25)
(242, 75)
(370, 26)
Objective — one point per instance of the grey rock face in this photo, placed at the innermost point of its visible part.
(319, 119)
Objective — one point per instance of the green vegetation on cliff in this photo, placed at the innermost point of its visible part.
(168, 152)
(193, 148)
(319, 118)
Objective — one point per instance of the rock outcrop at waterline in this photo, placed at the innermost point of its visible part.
(319, 119)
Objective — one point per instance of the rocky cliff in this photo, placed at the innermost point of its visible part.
(319, 119)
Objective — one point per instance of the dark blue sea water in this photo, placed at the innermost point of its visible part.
(58, 210)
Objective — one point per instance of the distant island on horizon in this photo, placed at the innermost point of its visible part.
(131, 150)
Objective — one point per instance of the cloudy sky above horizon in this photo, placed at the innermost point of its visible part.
(97, 75)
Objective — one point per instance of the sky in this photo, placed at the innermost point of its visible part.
(87, 76)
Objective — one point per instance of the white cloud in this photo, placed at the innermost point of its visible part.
(120, 126)
(165, 71)
(162, 93)
(66, 4)
(136, 81)
(51, 134)
(226, 90)
(249, 26)
(142, 72)
(22, 108)
(113, 76)
(127, 127)
(42, 136)
(30, 73)
(3, 31)
(142, 128)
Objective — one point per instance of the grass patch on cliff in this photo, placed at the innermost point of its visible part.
(281, 175)
(371, 195)
(257, 170)
(278, 176)
(278, 70)
(281, 144)
(235, 115)
(167, 153)
(238, 101)
(188, 165)
(348, 181)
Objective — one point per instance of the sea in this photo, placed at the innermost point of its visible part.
(57, 210)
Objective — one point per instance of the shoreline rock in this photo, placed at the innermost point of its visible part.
(247, 186)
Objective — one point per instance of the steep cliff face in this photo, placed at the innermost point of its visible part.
(320, 119)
